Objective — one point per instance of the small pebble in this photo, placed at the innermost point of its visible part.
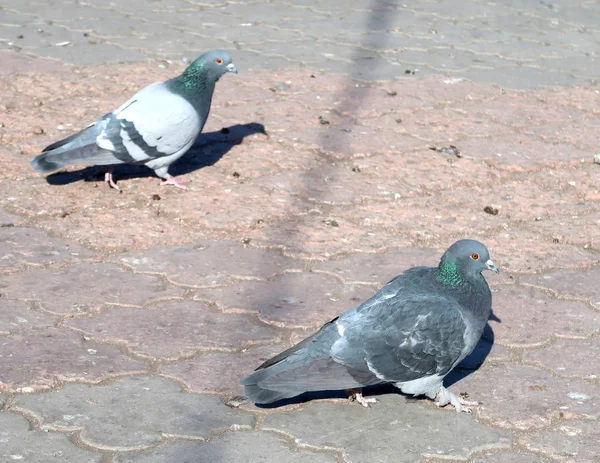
(597, 158)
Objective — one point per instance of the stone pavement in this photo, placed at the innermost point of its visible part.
(128, 319)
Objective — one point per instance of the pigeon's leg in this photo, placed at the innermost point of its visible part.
(170, 180)
(445, 397)
(357, 395)
(108, 178)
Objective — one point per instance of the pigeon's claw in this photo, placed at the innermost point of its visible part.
(445, 397)
(357, 396)
(170, 180)
(108, 178)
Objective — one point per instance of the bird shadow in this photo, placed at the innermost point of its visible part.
(469, 365)
(207, 150)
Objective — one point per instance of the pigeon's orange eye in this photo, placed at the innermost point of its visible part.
(219, 61)
(474, 256)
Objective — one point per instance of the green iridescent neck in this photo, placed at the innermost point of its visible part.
(194, 76)
(447, 273)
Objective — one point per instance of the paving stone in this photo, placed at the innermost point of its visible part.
(569, 357)
(291, 300)
(530, 317)
(574, 283)
(174, 329)
(515, 456)
(378, 268)
(527, 397)
(53, 355)
(22, 246)
(19, 316)
(95, 285)
(220, 372)
(105, 414)
(566, 441)
(405, 431)
(195, 265)
(18, 442)
(232, 447)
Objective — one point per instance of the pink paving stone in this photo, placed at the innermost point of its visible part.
(569, 357)
(22, 246)
(520, 152)
(579, 228)
(530, 317)
(568, 441)
(572, 283)
(86, 287)
(19, 316)
(291, 300)
(53, 355)
(319, 236)
(526, 397)
(509, 246)
(174, 329)
(208, 263)
(377, 268)
(220, 372)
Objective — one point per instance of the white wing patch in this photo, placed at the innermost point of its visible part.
(134, 150)
(340, 328)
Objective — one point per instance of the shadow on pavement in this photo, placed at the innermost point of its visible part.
(208, 149)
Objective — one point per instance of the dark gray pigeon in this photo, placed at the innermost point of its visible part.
(155, 127)
(412, 333)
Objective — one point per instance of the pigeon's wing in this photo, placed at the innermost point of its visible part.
(402, 338)
(154, 123)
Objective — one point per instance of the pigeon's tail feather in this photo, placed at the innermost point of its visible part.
(308, 374)
(90, 154)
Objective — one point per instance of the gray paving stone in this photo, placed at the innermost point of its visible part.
(18, 316)
(393, 429)
(18, 442)
(515, 456)
(86, 287)
(195, 265)
(131, 413)
(174, 329)
(20, 247)
(232, 447)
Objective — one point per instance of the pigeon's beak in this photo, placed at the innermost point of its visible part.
(491, 266)
(231, 68)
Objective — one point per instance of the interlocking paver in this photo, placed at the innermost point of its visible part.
(231, 448)
(86, 287)
(527, 397)
(293, 299)
(54, 355)
(174, 329)
(19, 443)
(578, 358)
(568, 441)
(393, 437)
(208, 263)
(354, 183)
(530, 317)
(104, 414)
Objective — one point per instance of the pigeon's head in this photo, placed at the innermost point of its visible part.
(210, 66)
(464, 259)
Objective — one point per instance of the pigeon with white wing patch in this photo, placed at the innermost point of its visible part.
(412, 333)
(154, 128)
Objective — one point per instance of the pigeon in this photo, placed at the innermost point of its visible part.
(155, 127)
(411, 333)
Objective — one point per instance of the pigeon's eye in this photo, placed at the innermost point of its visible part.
(474, 256)
(219, 61)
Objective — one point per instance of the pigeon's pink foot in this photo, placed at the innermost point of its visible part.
(355, 395)
(108, 178)
(445, 397)
(173, 181)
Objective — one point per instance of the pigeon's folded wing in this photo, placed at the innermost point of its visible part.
(403, 338)
(153, 124)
